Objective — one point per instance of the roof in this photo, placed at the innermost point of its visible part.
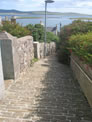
(52, 29)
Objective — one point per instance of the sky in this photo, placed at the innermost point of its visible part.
(78, 6)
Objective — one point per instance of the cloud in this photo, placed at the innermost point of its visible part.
(83, 6)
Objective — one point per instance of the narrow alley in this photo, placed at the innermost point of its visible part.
(47, 92)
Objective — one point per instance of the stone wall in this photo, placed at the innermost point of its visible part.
(25, 51)
(39, 49)
(17, 54)
(83, 75)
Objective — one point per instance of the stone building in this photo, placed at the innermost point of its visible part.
(13, 19)
(53, 30)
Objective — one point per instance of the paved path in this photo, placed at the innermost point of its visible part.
(46, 93)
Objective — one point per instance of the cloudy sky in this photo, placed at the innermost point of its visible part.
(79, 6)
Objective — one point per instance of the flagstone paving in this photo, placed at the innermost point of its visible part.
(47, 92)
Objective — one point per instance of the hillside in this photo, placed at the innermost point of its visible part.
(2, 11)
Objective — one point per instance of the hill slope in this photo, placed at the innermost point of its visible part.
(36, 12)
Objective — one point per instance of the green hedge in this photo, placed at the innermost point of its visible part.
(77, 27)
(81, 45)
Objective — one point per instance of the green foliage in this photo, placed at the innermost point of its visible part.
(81, 45)
(63, 55)
(52, 37)
(15, 29)
(33, 61)
(38, 33)
(77, 27)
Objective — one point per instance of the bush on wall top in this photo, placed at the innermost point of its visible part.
(15, 29)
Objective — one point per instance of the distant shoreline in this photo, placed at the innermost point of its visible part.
(84, 18)
(16, 12)
(29, 17)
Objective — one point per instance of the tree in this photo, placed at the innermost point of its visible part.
(37, 31)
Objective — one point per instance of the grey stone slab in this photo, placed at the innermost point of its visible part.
(2, 87)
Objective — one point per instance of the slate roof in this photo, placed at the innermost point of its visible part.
(52, 29)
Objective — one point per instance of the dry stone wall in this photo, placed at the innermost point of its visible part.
(39, 49)
(25, 51)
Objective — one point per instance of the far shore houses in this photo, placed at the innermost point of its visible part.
(51, 29)
(13, 21)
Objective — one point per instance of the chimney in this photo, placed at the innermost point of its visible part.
(41, 23)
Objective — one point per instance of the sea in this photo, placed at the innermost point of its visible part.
(52, 20)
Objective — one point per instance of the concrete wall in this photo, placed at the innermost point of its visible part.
(81, 74)
(2, 88)
(39, 49)
(17, 54)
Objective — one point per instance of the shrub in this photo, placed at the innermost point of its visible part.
(33, 61)
(15, 29)
(63, 55)
(81, 45)
(52, 37)
(37, 31)
(77, 27)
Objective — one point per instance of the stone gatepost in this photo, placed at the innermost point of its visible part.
(2, 87)
(7, 55)
(36, 50)
(17, 54)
